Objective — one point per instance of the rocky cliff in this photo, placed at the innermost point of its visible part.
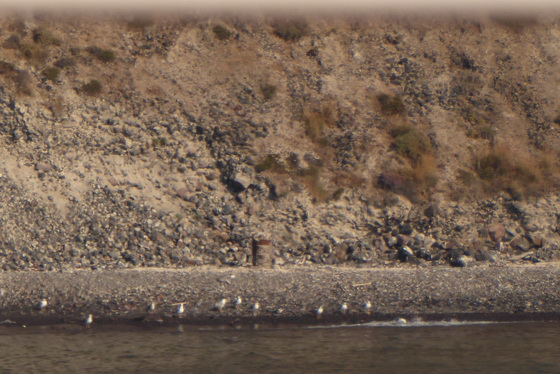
(186, 140)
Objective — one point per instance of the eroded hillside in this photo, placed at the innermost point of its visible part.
(174, 141)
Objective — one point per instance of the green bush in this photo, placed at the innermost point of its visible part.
(482, 132)
(51, 73)
(44, 37)
(270, 162)
(104, 55)
(65, 62)
(92, 88)
(390, 105)
(159, 142)
(409, 142)
(291, 31)
(268, 91)
(221, 32)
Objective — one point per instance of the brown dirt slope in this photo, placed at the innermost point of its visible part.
(176, 141)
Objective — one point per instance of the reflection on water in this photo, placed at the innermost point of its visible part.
(380, 348)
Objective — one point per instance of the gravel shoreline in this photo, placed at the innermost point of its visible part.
(285, 295)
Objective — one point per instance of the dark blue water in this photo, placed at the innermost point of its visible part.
(378, 348)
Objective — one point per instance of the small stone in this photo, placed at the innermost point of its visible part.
(496, 232)
(537, 240)
(380, 245)
(406, 229)
(240, 182)
(484, 255)
(431, 211)
(403, 240)
(408, 251)
(112, 181)
(459, 262)
(531, 227)
(405, 254)
(45, 168)
(523, 245)
(183, 193)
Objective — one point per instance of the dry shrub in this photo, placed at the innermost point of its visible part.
(291, 31)
(23, 82)
(155, 90)
(390, 105)
(65, 62)
(346, 179)
(311, 178)
(515, 22)
(415, 183)
(466, 177)
(51, 73)
(221, 32)
(92, 88)
(482, 132)
(7, 68)
(159, 142)
(45, 37)
(519, 173)
(317, 120)
(57, 106)
(12, 42)
(104, 55)
(268, 91)
(271, 162)
(36, 53)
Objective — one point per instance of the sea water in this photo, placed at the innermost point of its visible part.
(383, 347)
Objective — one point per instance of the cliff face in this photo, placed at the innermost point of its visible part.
(176, 141)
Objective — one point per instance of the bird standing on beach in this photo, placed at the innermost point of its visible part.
(256, 308)
(237, 302)
(43, 304)
(319, 312)
(180, 309)
(367, 307)
(89, 321)
(344, 308)
(220, 305)
(152, 307)
(401, 321)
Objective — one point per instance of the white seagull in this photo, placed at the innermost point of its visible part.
(43, 304)
(152, 307)
(220, 305)
(343, 308)
(180, 309)
(367, 306)
(256, 308)
(401, 321)
(237, 302)
(89, 321)
(319, 311)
